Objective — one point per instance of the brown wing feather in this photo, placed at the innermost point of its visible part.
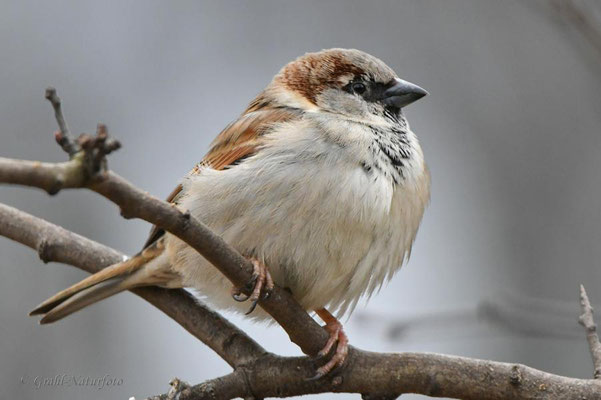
(242, 137)
(238, 140)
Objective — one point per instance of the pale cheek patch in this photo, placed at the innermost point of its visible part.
(341, 102)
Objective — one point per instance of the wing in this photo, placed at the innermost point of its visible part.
(237, 141)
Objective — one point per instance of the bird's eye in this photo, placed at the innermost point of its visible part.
(358, 87)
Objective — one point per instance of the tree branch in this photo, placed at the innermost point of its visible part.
(389, 375)
(50, 177)
(54, 243)
(586, 320)
(262, 374)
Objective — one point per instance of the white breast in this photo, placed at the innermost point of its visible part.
(306, 207)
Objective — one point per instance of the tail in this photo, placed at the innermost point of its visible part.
(148, 268)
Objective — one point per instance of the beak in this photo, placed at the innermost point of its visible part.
(402, 93)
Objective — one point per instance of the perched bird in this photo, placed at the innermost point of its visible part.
(320, 183)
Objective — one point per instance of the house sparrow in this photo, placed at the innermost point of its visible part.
(320, 182)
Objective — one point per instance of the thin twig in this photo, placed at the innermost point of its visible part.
(588, 322)
(63, 136)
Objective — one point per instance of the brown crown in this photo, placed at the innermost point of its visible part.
(310, 74)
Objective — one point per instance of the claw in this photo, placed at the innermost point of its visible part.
(337, 335)
(261, 284)
(321, 372)
(315, 377)
(252, 307)
(239, 296)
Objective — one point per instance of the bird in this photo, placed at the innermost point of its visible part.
(320, 183)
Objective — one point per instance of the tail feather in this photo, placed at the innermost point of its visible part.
(121, 269)
(84, 298)
(145, 269)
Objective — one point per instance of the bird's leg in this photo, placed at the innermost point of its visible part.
(260, 280)
(334, 329)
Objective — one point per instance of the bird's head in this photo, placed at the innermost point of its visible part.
(349, 83)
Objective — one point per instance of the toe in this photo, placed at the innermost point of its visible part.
(336, 336)
(263, 284)
(337, 359)
(334, 329)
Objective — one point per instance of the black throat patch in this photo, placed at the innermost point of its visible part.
(391, 150)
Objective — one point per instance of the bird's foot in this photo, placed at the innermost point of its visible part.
(337, 335)
(261, 282)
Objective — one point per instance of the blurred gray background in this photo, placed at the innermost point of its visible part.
(510, 131)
